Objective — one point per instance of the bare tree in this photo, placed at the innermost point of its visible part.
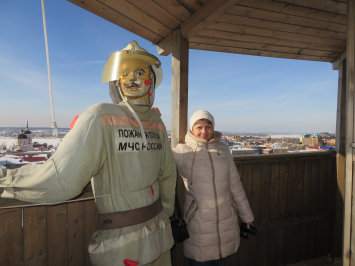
(3, 146)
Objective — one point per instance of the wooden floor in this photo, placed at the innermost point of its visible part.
(323, 261)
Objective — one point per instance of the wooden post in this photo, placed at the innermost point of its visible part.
(180, 62)
(349, 214)
(338, 221)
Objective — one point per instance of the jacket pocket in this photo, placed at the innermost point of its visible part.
(191, 207)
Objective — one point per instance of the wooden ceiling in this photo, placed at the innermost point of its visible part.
(296, 29)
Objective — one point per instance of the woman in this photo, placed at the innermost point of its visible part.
(214, 194)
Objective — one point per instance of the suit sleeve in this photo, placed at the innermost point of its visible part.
(238, 194)
(66, 173)
(167, 178)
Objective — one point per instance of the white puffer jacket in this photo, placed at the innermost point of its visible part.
(214, 195)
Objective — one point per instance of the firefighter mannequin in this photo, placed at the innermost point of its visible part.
(124, 150)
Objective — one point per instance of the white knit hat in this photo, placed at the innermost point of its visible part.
(200, 114)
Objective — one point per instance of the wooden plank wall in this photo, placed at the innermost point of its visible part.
(54, 235)
(292, 200)
(292, 197)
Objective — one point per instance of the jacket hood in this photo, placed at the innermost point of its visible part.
(191, 139)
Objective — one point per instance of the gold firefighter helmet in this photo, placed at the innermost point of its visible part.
(130, 59)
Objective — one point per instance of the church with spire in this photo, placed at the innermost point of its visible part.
(23, 141)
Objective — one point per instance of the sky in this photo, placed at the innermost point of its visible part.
(244, 93)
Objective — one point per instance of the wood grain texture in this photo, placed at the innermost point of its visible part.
(262, 47)
(291, 197)
(255, 204)
(76, 235)
(235, 50)
(35, 231)
(280, 26)
(137, 15)
(306, 199)
(205, 16)
(349, 248)
(175, 8)
(157, 12)
(115, 17)
(11, 239)
(191, 5)
(180, 63)
(247, 11)
(340, 161)
(91, 224)
(272, 33)
(325, 5)
(269, 40)
(57, 235)
(165, 47)
(247, 179)
(295, 10)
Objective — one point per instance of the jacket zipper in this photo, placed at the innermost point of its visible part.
(216, 201)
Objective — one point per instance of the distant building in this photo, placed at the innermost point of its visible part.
(268, 150)
(238, 152)
(233, 137)
(311, 140)
(40, 146)
(23, 141)
(259, 148)
(329, 141)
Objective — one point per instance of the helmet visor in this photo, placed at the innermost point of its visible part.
(126, 61)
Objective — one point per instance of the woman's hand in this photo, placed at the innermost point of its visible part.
(156, 109)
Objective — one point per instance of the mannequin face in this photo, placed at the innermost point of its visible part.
(202, 130)
(136, 85)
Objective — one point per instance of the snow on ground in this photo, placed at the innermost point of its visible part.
(13, 159)
(11, 141)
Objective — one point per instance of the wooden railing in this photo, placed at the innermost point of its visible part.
(292, 197)
(53, 235)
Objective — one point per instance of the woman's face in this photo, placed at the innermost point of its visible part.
(202, 130)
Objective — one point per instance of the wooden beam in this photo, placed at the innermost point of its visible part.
(337, 62)
(246, 11)
(175, 8)
(326, 5)
(164, 47)
(270, 40)
(235, 50)
(262, 47)
(198, 21)
(280, 26)
(137, 15)
(157, 12)
(295, 10)
(349, 219)
(191, 5)
(205, 16)
(257, 31)
(113, 16)
(180, 63)
(340, 160)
